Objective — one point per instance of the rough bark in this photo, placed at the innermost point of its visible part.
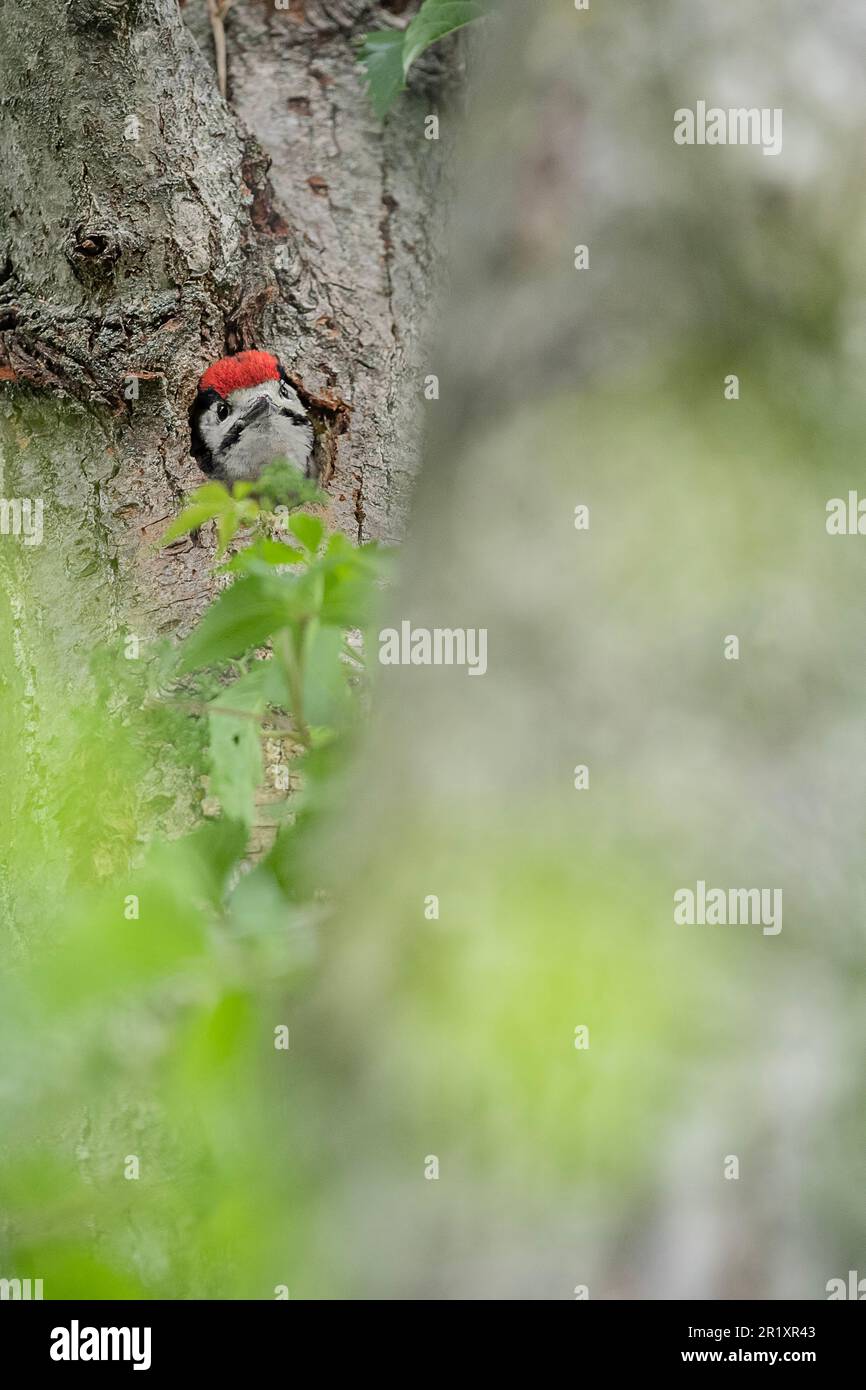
(143, 235)
(363, 206)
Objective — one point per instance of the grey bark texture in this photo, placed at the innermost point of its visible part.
(148, 227)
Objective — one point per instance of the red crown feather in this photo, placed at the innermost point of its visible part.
(244, 369)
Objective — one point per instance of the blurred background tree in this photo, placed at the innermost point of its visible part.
(605, 387)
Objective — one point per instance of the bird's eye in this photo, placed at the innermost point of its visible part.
(284, 390)
(223, 410)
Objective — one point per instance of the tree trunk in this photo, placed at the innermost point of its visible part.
(150, 228)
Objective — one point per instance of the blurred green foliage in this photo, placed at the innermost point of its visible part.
(145, 981)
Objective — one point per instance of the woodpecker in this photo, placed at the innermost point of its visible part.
(245, 415)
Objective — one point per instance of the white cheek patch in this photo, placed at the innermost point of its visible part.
(212, 429)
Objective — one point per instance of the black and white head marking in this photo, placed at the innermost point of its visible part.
(236, 437)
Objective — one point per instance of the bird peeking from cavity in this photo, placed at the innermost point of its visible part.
(245, 415)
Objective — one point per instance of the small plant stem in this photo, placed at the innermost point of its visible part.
(289, 654)
(217, 10)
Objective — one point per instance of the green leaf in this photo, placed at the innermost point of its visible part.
(102, 955)
(282, 485)
(236, 747)
(243, 616)
(326, 691)
(274, 685)
(309, 531)
(227, 525)
(348, 599)
(206, 502)
(262, 555)
(382, 56)
(388, 55)
(434, 20)
(370, 558)
(215, 847)
(350, 576)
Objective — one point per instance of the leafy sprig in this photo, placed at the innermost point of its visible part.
(388, 54)
(277, 632)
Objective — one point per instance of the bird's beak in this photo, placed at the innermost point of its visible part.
(260, 406)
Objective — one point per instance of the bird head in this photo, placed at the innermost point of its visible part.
(245, 415)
